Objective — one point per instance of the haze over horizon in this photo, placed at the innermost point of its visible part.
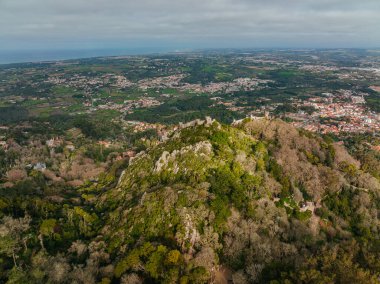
(34, 26)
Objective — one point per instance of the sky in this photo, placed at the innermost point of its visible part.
(187, 24)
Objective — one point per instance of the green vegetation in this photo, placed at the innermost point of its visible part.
(373, 100)
(89, 193)
(183, 110)
(210, 195)
(13, 114)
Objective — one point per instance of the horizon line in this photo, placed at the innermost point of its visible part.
(132, 52)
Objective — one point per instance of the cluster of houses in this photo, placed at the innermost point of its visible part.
(334, 113)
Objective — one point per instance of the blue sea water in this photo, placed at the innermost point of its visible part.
(7, 57)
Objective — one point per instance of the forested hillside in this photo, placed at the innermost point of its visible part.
(256, 202)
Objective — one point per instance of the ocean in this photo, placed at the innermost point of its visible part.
(7, 57)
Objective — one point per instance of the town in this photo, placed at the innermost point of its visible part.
(96, 111)
(336, 113)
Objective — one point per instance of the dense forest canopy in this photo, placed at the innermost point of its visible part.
(257, 202)
(110, 174)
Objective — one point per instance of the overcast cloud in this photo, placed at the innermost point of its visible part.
(44, 24)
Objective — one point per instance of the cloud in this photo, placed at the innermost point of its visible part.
(195, 23)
